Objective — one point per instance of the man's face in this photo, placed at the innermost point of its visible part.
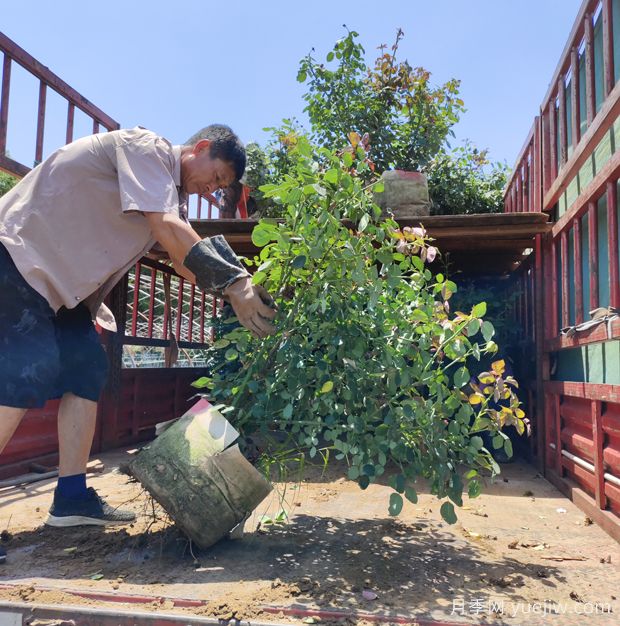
(202, 174)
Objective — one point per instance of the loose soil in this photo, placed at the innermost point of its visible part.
(518, 544)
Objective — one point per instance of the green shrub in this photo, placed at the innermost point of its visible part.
(7, 182)
(368, 365)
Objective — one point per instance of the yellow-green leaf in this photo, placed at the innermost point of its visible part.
(327, 387)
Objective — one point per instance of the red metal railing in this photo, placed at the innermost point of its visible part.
(147, 316)
(569, 167)
(12, 53)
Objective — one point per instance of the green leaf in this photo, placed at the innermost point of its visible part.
(301, 77)
(411, 495)
(461, 377)
(258, 278)
(400, 483)
(363, 481)
(330, 57)
(508, 447)
(498, 441)
(368, 470)
(473, 489)
(331, 176)
(354, 472)
(327, 387)
(476, 442)
(473, 327)
(231, 354)
(479, 310)
(299, 261)
(396, 504)
(221, 343)
(361, 227)
(202, 382)
(379, 187)
(447, 512)
(487, 331)
(287, 413)
(347, 159)
(263, 233)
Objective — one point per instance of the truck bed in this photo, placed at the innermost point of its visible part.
(339, 557)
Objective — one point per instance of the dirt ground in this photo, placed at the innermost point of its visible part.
(519, 554)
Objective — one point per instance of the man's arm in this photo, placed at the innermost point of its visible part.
(251, 303)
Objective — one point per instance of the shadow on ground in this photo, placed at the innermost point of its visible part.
(330, 560)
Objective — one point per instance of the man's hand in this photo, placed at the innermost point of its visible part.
(253, 306)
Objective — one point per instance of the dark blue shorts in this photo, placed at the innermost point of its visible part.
(44, 355)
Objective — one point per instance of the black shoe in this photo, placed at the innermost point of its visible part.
(2, 555)
(92, 510)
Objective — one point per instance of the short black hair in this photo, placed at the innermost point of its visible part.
(225, 145)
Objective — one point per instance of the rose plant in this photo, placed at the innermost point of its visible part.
(369, 365)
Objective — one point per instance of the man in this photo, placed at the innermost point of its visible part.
(68, 232)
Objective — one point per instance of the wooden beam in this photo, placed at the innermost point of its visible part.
(486, 245)
(608, 47)
(578, 271)
(536, 175)
(554, 146)
(70, 122)
(546, 155)
(593, 253)
(599, 466)
(38, 152)
(565, 279)
(589, 391)
(539, 334)
(562, 123)
(596, 334)
(547, 294)
(527, 191)
(555, 289)
(4, 102)
(12, 167)
(557, 404)
(590, 87)
(574, 98)
(612, 242)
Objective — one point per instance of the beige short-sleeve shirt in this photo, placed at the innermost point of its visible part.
(74, 225)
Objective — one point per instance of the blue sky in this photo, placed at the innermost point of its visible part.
(177, 66)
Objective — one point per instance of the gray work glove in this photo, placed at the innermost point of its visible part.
(225, 251)
(217, 269)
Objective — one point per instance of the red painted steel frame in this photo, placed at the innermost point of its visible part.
(584, 463)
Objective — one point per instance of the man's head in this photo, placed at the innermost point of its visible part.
(211, 159)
